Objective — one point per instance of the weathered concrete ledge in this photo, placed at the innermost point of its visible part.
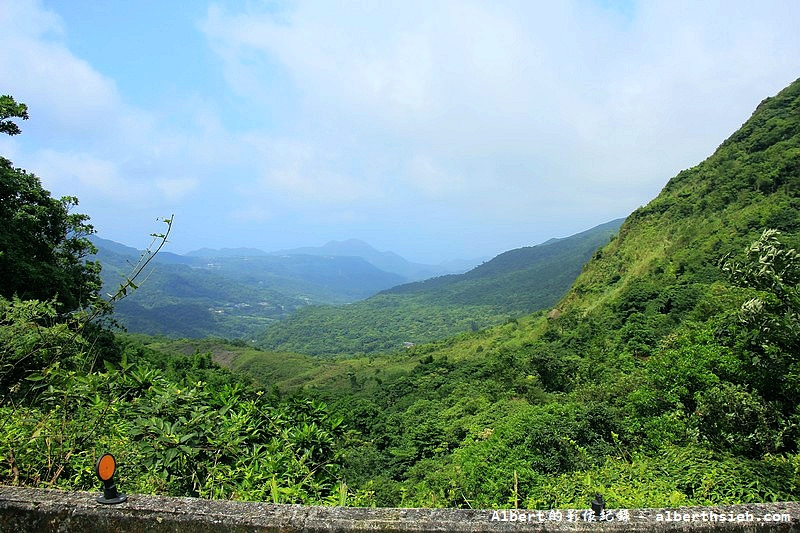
(24, 509)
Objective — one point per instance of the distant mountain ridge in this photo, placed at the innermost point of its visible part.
(231, 296)
(513, 283)
(388, 261)
(238, 292)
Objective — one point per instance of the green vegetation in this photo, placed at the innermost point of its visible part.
(668, 375)
(42, 244)
(178, 424)
(9, 109)
(510, 285)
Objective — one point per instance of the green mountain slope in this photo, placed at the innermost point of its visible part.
(513, 283)
(669, 374)
(667, 255)
(521, 280)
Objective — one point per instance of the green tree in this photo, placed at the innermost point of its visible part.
(773, 269)
(10, 109)
(768, 331)
(43, 247)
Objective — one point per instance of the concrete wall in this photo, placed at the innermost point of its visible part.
(35, 510)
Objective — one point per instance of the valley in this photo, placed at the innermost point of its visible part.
(321, 302)
(654, 360)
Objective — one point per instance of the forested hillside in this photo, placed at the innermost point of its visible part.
(512, 284)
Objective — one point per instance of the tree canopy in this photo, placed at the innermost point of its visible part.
(43, 245)
(10, 109)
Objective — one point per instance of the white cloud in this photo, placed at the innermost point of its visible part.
(250, 214)
(507, 78)
(429, 178)
(83, 139)
(516, 111)
(61, 90)
(176, 188)
(305, 175)
(98, 179)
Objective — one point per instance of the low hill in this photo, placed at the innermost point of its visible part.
(513, 283)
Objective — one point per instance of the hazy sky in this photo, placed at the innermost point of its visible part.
(435, 129)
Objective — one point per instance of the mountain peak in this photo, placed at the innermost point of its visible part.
(386, 261)
(347, 245)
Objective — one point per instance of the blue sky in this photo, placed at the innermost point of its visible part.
(435, 129)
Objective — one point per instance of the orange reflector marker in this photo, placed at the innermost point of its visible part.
(106, 466)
